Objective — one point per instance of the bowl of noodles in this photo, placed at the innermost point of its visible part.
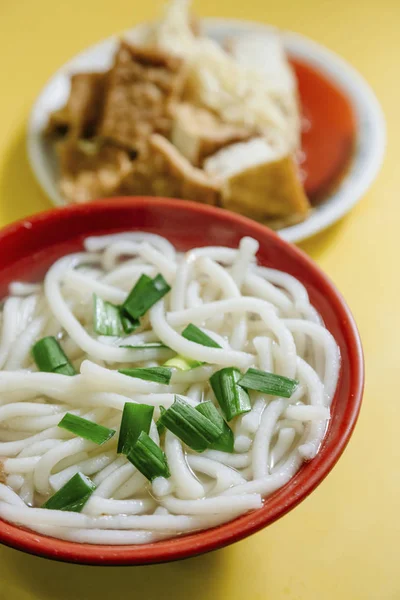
(173, 378)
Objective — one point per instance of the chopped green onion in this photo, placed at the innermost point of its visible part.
(268, 383)
(110, 319)
(160, 426)
(156, 374)
(232, 398)
(141, 283)
(50, 357)
(144, 294)
(106, 317)
(148, 458)
(188, 424)
(149, 346)
(86, 429)
(196, 335)
(226, 440)
(73, 495)
(128, 323)
(135, 419)
(182, 363)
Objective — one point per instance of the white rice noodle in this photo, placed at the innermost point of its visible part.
(260, 318)
(101, 242)
(220, 277)
(15, 481)
(20, 288)
(183, 346)
(187, 486)
(286, 436)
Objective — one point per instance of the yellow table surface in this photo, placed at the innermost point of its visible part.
(343, 541)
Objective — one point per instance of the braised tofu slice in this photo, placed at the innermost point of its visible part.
(168, 173)
(58, 124)
(257, 182)
(80, 116)
(198, 133)
(142, 86)
(91, 170)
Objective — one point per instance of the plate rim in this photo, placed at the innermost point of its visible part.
(371, 126)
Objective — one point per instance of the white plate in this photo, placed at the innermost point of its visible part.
(371, 136)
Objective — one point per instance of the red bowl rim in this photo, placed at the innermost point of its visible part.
(223, 535)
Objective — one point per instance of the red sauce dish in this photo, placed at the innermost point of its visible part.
(28, 247)
(328, 131)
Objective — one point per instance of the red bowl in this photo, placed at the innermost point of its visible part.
(28, 247)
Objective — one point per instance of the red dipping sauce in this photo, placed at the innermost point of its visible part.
(328, 132)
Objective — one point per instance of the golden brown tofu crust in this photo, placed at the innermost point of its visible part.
(169, 174)
(267, 192)
(90, 170)
(2, 472)
(142, 86)
(81, 115)
(58, 124)
(117, 128)
(198, 133)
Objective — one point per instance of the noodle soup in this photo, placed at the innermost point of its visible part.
(147, 393)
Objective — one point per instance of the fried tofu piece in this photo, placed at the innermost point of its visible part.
(258, 183)
(3, 477)
(58, 124)
(142, 86)
(170, 174)
(198, 133)
(80, 116)
(91, 170)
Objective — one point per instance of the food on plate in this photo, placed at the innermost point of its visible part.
(198, 133)
(147, 393)
(170, 174)
(251, 169)
(266, 55)
(80, 117)
(142, 87)
(91, 169)
(169, 80)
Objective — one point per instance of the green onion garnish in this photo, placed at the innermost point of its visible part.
(50, 357)
(128, 323)
(196, 335)
(188, 424)
(145, 293)
(160, 426)
(182, 363)
(226, 440)
(73, 495)
(86, 429)
(232, 398)
(141, 283)
(156, 374)
(149, 346)
(148, 458)
(109, 319)
(135, 419)
(106, 317)
(268, 383)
